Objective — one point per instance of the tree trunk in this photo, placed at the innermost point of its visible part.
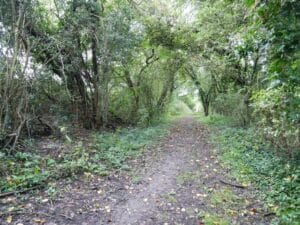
(205, 100)
(206, 109)
(104, 95)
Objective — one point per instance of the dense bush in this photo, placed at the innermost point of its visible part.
(232, 104)
(277, 102)
(279, 114)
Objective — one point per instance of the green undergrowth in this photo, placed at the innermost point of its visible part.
(254, 161)
(113, 149)
(212, 219)
(217, 121)
(106, 151)
(187, 177)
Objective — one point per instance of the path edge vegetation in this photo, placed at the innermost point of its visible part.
(103, 153)
(100, 65)
(252, 161)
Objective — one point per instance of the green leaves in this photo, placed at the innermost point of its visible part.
(249, 3)
(113, 149)
(23, 171)
(251, 159)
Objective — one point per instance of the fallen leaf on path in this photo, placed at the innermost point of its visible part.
(45, 200)
(253, 211)
(9, 219)
(107, 209)
(39, 220)
(8, 200)
(201, 195)
(10, 209)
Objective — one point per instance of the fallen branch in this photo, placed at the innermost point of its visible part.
(269, 214)
(51, 216)
(234, 185)
(67, 217)
(18, 192)
(13, 212)
(19, 212)
(53, 212)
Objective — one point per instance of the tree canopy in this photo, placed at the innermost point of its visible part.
(110, 69)
(101, 63)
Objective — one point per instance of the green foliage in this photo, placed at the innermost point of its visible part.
(188, 101)
(109, 151)
(218, 120)
(279, 113)
(25, 170)
(252, 160)
(109, 63)
(178, 107)
(223, 197)
(21, 171)
(232, 105)
(114, 149)
(251, 48)
(277, 103)
(212, 219)
(187, 177)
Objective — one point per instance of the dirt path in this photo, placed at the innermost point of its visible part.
(144, 206)
(176, 182)
(184, 184)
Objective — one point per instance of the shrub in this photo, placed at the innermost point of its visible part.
(279, 118)
(232, 105)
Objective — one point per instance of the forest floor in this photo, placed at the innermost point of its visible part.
(179, 180)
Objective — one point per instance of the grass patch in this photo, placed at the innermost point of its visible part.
(223, 197)
(108, 151)
(114, 149)
(212, 219)
(253, 160)
(136, 179)
(217, 120)
(186, 177)
(171, 198)
(228, 201)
